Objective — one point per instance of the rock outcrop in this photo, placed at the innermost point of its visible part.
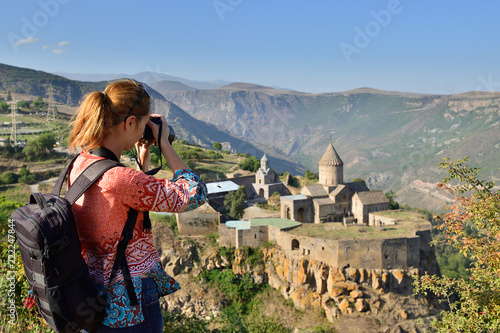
(338, 291)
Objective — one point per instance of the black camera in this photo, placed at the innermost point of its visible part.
(148, 133)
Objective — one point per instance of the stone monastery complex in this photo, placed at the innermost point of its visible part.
(331, 207)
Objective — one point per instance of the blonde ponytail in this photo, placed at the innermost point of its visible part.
(100, 111)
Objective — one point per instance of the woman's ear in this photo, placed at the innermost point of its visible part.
(130, 122)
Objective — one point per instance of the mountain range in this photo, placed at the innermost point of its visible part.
(147, 77)
(392, 140)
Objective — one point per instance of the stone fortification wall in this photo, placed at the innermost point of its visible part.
(379, 253)
(427, 252)
(311, 247)
(379, 220)
(273, 234)
(227, 236)
(253, 237)
(390, 253)
(195, 223)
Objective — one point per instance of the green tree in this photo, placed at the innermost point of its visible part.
(217, 146)
(39, 102)
(290, 180)
(24, 104)
(393, 204)
(4, 106)
(39, 148)
(472, 225)
(250, 163)
(234, 201)
(311, 175)
(359, 180)
(9, 96)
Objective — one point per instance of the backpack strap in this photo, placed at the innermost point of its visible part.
(80, 185)
(58, 186)
(121, 259)
(89, 176)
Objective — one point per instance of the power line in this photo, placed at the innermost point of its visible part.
(13, 128)
(51, 110)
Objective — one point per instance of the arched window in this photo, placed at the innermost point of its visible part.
(295, 244)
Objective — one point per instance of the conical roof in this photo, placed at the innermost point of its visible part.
(330, 157)
(264, 158)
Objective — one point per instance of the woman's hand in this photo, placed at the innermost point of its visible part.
(173, 160)
(155, 128)
(143, 153)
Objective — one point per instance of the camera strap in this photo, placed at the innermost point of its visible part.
(158, 144)
(147, 220)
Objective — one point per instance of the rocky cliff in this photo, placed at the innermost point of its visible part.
(341, 294)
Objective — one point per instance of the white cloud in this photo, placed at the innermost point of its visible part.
(57, 49)
(27, 40)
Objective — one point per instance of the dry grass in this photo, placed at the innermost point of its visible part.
(404, 215)
(338, 231)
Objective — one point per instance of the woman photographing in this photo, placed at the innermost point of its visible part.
(106, 124)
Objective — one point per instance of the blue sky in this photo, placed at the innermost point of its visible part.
(422, 46)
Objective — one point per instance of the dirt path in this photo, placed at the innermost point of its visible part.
(255, 212)
(51, 182)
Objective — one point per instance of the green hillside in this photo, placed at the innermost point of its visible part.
(33, 82)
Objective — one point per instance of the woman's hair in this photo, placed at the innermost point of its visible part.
(100, 111)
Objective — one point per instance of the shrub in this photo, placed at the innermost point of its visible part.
(217, 145)
(26, 177)
(9, 177)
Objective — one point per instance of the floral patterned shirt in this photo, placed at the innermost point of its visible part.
(100, 216)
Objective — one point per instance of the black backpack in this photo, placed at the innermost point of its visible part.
(51, 254)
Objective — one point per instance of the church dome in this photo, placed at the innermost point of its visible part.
(330, 157)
